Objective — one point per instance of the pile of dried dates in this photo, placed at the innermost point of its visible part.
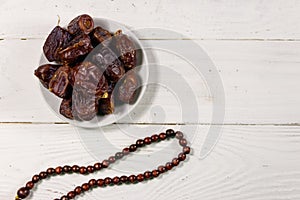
(88, 63)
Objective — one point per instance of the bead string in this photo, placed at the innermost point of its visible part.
(24, 192)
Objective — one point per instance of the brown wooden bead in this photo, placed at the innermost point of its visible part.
(82, 170)
(50, 171)
(183, 142)
(58, 170)
(162, 136)
(140, 177)
(97, 166)
(181, 156)
(64, 198)
(148, 175)
(116, 180)
(119, 155)
(154, 138)
(112, 159)
(186, 150)
(107, 181)
(169, 166)
(132, 178)
(170, 133)
(175, 161)
(90, 169)
(124, 179)
(100, 182)
(43, 175)
(155, 173)
(147, 140)
(132, 148)
(67, 169)
(179, 135)
(139, 143)
(78, 190)
(75, 168)
(35, 178)
(126, 151)
(29, 185)
(105, 163)
(23, 192)
(71, 195)
(161, 169)
(85, 187)
(92, 182)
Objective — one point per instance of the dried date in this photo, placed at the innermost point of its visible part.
(107, 60)
(59, 83)
(56, 40)
(100, 35)
(126, 50)
(78, 47)
(66, 108)
(45, 73)
(81, 24)
(89, 77)
(84, 105)
(128, 89)
(106, 105)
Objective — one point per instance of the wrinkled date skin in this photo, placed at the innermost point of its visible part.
(89, 85)
(89, 77)
(59, 83)
(106, 105)
(107, 60)
(56, 40)
(100, 35)
(84, 105)
(45, 73)
(78, 47)
(66, 108)
(126, 50)
(81, 24)
(128, 89)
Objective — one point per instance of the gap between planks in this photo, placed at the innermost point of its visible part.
(171, 124)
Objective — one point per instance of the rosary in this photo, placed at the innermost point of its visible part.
(24, 192)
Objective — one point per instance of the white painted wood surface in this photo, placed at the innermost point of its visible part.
(256, 50)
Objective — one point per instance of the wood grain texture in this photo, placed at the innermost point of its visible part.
(249, 162)
(260, 81)
(255, 47)
(202, 19)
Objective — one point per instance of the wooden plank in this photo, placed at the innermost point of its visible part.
(233, 19)
(249, 162)
(260, 81)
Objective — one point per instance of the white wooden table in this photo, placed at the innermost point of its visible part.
(256, 50)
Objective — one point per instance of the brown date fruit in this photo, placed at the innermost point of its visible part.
(84, 104)
(107, 60)
(81, 24)
(100, 35)
(56, 40)
(59, 83)
(66, 108)
(106, 105)
(128, 89)
(111, 87)
(126, 50)
(74, 50)
(90, 78)
(45, 73)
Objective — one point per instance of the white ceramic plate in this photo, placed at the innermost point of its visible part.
(120, 110)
